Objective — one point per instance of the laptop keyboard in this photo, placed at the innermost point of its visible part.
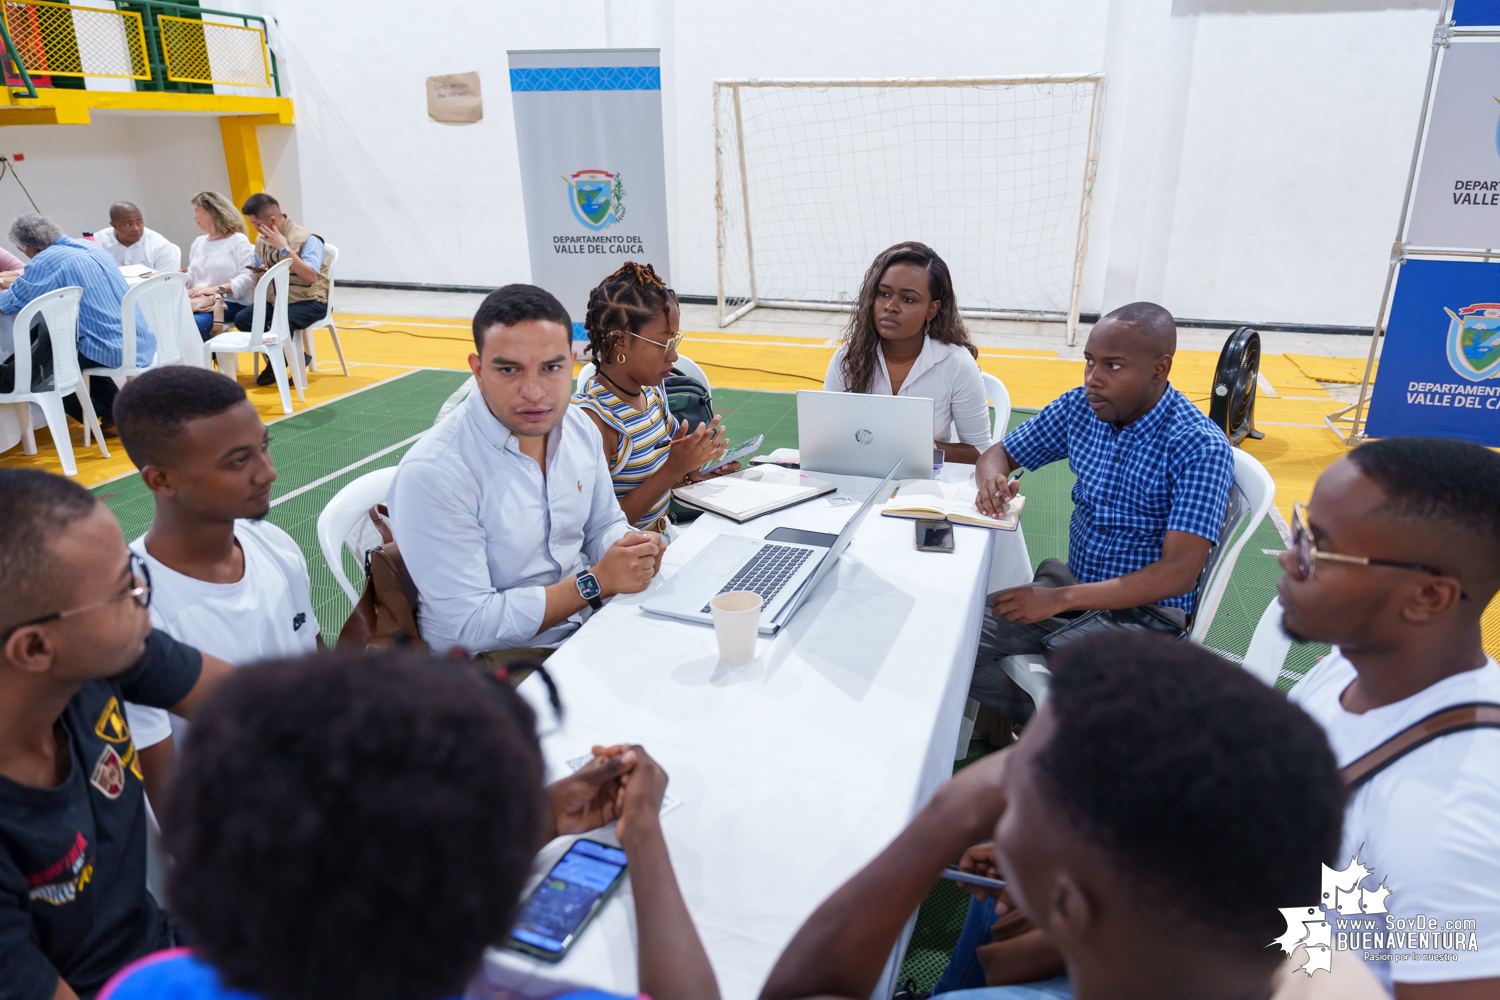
(767, 572)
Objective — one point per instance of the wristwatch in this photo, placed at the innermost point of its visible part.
(588, 589)
(283, 252)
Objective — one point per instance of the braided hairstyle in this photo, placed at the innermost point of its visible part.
(625, 301)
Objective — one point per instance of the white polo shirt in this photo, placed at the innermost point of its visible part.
(1428, 825)
(152, 250)
(265, 615)
(944, 373)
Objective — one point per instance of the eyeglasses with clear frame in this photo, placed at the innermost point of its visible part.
(1308, 554)
(140, 576)
(670, 345)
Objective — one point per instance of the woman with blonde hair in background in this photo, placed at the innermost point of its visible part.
(219, 275)
(906, 338)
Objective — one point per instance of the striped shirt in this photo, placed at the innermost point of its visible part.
(70, 262)
(645, 438)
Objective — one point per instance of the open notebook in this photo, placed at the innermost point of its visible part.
(930, 499)
(753, 492)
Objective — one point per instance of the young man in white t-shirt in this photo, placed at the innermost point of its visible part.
(1394, 562)
(222, 578)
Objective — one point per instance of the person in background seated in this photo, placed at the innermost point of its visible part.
(1154, 476)
(504, 511)
(280, 239)
(75, 642)
(58, 261)
(905, 338)
(632, 326)
(129, 241)
(219, 261)
(1393, 562)
(11, 267)
(390, 870)
(1149, 880)
(223, 578)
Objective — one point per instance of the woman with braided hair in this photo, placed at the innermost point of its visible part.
(632, 323)
(906, 338)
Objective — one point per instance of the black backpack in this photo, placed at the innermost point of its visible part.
(689, 400)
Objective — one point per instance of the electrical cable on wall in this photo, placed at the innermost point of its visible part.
(7, 167)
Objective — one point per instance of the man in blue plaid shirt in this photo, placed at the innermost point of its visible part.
(1154, 475)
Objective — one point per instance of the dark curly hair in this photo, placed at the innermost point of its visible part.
(1213, 793)
(351, 824)
(512, 304)
(150, 411)
(862, 340)
(625, 302)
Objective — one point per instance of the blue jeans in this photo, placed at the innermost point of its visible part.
(963, 979)
(205, 321)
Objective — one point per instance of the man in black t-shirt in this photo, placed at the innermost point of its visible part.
(75, 643)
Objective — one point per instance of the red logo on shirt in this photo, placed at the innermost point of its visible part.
(109, 774)
(74, 866)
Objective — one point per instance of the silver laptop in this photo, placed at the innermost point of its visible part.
(859, 434)
(783, 568)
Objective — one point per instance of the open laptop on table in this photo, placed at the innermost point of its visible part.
(859, 434)
(783, 568)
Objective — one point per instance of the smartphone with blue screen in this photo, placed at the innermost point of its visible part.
(562, 905)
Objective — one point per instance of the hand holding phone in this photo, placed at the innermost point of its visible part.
(734, 454)
(564, 902)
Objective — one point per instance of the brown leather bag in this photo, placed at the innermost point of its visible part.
(386, 613)
(1022, 954)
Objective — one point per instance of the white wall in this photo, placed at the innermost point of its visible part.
(1252, 162)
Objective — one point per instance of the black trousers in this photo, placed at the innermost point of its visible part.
(102, 391)
(299, 315)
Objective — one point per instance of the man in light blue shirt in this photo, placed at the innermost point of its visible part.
(505, 512)
(59, 261)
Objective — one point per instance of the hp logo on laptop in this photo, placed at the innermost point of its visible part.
(864, 435)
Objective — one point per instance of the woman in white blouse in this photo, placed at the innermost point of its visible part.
(906, 339)
(219, 261)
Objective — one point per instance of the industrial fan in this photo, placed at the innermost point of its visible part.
(1232, 405)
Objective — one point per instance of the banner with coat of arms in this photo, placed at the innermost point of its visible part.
(589, 135)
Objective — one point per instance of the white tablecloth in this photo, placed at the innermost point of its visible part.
(794, 770)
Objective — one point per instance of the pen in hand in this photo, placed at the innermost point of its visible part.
(1014, 479)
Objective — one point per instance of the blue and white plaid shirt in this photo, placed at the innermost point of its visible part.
(71, 262)
(1170, 470)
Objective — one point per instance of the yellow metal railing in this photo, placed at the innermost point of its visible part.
(59, 39)
(205, 52)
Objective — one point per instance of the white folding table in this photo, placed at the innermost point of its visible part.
(793, 770)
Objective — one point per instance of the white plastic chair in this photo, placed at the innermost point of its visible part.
(1256, 489)
(684, 364)
(60, 310)
(338, 521)
(1249, 500)
(1269, 646)
(160, 298)
(306, 338)
(274, 342)
(999, 397)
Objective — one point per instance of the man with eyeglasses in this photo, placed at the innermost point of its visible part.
(75, 642)
(1393, 562)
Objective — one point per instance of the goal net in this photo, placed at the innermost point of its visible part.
(815, 177)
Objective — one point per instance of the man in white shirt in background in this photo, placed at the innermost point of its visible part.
(505, 512)
(1394, 562)
(222, 577)
(129, 241)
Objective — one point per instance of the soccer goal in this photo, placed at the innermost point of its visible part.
(813, 178)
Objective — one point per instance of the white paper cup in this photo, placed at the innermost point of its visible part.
(736, 619)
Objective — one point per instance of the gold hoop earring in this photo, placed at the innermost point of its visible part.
(619, 357)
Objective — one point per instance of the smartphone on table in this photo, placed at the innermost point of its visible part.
(934, 536)
(564, 902)
(734, 454)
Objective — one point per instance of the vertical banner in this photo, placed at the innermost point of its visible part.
(1440, 368)
(1440, 364)
(589, 135)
